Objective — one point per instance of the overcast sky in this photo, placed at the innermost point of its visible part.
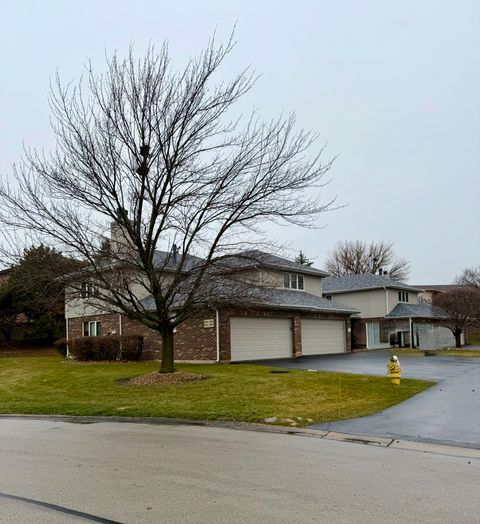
(393, 88)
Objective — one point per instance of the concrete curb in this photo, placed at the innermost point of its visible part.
(405, 445)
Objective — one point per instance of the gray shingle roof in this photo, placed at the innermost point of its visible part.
(260, 258)
(332, 285)
(422, 310)
(166, 260)
(290, 299)
(244, 260)
(285, 299)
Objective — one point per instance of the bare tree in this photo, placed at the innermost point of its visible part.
(470, 277)
(462, 309)
(155, 153)
(356, 257)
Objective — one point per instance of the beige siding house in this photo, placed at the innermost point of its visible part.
(391, 314)
(286, 316)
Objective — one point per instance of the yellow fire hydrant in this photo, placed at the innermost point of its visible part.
(394, 370)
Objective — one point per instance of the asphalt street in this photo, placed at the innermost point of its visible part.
(448, 413)
(138, 473)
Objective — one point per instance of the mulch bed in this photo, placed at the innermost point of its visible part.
(157, 379)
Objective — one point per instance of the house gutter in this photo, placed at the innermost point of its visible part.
(217, 332)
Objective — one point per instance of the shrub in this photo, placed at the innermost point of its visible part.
(82, 348)
(132, 347)
(61, 345)
(107, 347)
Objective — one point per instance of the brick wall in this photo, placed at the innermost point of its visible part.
(193, 341)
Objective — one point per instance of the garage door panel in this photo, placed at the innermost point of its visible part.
(260, 338)
(323, 337)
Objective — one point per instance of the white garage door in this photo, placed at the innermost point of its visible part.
(258, 338)
(323, 336)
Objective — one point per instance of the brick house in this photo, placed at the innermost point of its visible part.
(290, 319)
(391, 313)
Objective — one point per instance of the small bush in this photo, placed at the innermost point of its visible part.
(107, 347)
(82, 348)
(61, 345)
(132, 347)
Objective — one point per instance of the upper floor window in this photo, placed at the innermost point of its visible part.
(88, 289)
(403, 296)
(292, 281)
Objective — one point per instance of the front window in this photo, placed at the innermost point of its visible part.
(88, 289)
(403, 296)
(292, 281)
(92, 328)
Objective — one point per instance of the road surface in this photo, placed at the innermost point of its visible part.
(142, 473)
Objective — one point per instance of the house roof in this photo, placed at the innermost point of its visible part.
(256, 258)
(290, 299)
(243, 260)
(285, 299)
(166, 260)
(439, 287)
(361, 282)
(422, 310)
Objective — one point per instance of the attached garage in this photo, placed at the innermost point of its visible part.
(320, 337)
(260, 338)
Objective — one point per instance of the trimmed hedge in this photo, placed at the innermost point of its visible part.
(107, 347)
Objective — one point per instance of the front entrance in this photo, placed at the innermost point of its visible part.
(403, 338)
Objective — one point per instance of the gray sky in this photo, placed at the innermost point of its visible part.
(391, 87)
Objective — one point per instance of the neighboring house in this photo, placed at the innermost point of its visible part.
(428, 292)
(289, 319)
(391, 314)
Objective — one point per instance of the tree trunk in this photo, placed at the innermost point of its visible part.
(458, 338)
(168, 362)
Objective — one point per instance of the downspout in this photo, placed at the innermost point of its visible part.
(217, 331)
(120, 334)
(411, 332)
(386, 299)
(67, 353)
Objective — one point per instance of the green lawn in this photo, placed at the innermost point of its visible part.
(53, 385)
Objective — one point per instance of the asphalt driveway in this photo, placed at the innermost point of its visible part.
(447, 413)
